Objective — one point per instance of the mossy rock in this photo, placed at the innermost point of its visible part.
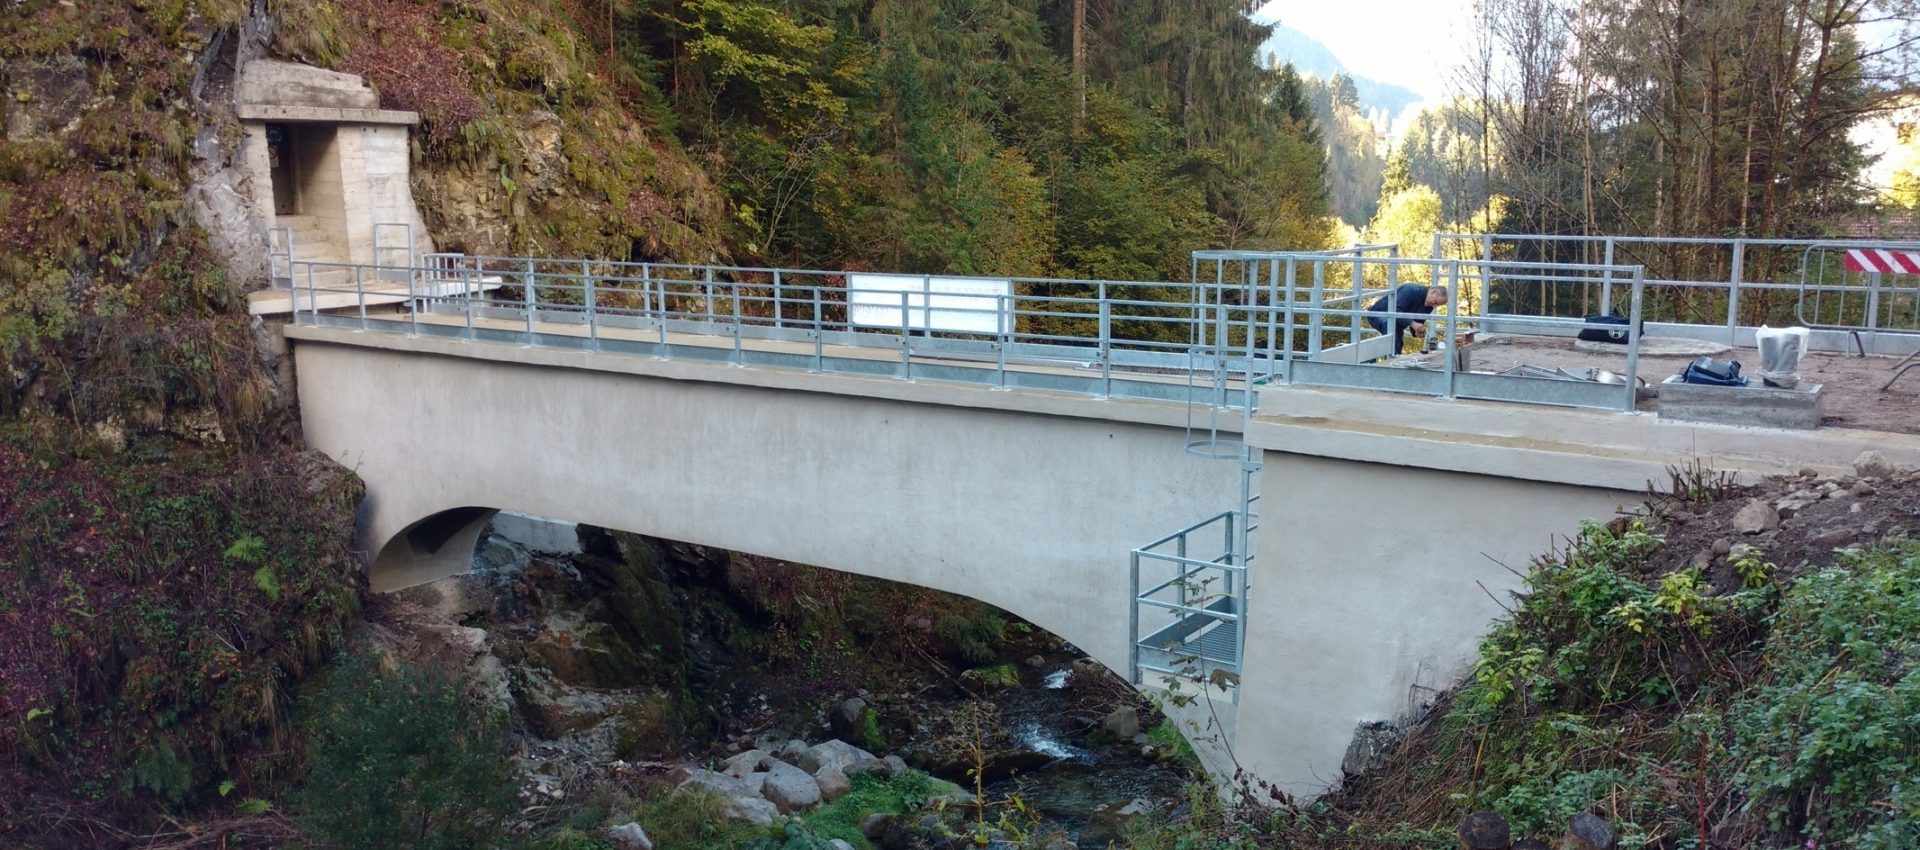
(652, 724)
(997, 677)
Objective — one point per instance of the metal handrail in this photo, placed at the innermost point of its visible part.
(1132, 332)
(1738, 256)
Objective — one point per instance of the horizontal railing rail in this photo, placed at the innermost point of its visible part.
(1719, 289)
(1297, 320)
(1189, 601)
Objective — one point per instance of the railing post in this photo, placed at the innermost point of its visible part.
(1133, 617)
(1633, 338)
(1318, 297)
(1004, 319)
(663, 350)
(360, 292)
(906, 337)
(1273, 315)
(313, 304)
(1486, 272)
(470, 282)
(779, 320)
(1286, 347)
(819, 330)
(739, 320)
(1453, 311)
(1106, 343)
(413, 307)
(1180, 587)
(1734, 278)
(528, 299)
(1606, 280)
(593, 323)
(646, 294)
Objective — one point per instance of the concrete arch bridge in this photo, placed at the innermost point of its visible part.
(1168, 475)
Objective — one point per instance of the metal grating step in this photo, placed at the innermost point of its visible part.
(1213, 648)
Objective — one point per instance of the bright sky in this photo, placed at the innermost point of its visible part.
(1415, 43)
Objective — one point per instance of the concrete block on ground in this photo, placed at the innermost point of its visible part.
(1753, 405)
(538, 534)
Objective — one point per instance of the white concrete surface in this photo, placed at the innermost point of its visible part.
(265, 81)
(538, 534)
(1027, 501)
(353, 161)
(1390, 524)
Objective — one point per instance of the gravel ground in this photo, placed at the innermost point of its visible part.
(1853, 398)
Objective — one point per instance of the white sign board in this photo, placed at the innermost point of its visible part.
(960, 304)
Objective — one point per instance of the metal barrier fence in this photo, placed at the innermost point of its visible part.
(1304, 319)
(1125, 338)
(1189, 592)
(1259, 317)
(1714, 289)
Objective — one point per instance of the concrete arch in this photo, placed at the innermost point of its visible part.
(434, 547)
(444, 543)
(1026, 501)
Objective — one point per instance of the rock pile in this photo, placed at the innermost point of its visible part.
(760, 785)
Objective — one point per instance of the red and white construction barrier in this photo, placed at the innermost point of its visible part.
(1882, 260)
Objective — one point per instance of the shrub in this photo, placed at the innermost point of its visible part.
(402, 759)
(1830, 745)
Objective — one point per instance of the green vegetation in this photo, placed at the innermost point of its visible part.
(144, 667)
(693, 818)
(1165, 737)
(871, 793)
(956, 136)
(1781, 711)
(402, 758)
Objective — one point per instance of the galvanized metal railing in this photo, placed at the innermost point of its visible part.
(1127, 338)
(1206, 342)
(280, 255)
(1189, 612)
(1713, 288)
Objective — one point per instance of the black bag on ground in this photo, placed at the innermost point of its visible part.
(1608, 328)
(1717, 373)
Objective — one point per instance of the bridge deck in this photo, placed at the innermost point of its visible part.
(507, 324)
(1850, 384)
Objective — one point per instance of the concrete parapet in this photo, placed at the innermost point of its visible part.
(264, 81)
(1765, 407)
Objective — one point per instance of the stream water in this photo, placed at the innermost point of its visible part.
(1089, 780)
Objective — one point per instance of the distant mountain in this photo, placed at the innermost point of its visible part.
(1309, 56)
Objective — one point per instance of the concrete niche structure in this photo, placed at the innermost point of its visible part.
(330, 168)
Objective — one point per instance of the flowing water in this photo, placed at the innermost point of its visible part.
(1088, 779)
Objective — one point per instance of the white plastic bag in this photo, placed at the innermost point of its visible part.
(1780, 350)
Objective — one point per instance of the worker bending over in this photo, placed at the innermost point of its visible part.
(1406, 298)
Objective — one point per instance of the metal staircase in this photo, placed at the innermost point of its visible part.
(1188, 619)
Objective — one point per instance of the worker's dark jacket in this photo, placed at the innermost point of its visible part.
(1407, 298)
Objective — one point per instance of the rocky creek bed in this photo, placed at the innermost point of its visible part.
(635, 669)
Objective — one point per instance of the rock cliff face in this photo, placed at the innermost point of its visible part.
(526, 145)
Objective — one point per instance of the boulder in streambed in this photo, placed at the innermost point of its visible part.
(742, 764)
(834, 754)
(833, 784)
(790, 788)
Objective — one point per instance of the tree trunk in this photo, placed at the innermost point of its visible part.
(1079, 63)
(1485, 831)
(1588, 832)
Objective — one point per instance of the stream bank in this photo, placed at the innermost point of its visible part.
(621, 659)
